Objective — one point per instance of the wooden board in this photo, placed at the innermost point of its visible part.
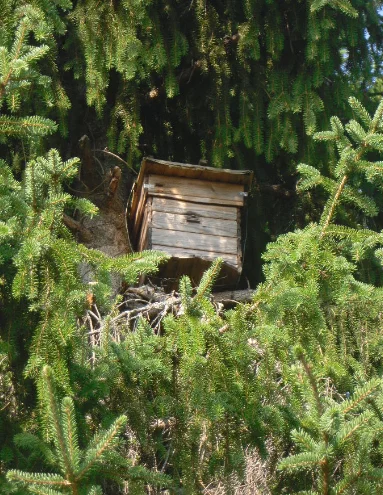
(140, 211)
(192, 222)
(190, 240)
(169, 205)
(197, 199)
(145, 234)
(194, 190)
(232, 259)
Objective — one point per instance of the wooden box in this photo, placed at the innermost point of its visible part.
(191, 212)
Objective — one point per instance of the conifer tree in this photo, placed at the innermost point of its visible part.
(266, 70)
(317, 325)
(41, 293)
(79, 469)
(241, 84)
(27, 37)
(188, 392)
(301, 365)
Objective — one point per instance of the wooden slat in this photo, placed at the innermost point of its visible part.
(145, 229)
(197, 199)
(190, 253)
(200, 191)
(239, 236)
(190, 240)
(143, 242)
(184, 207)
(192, 222)
(139, 212)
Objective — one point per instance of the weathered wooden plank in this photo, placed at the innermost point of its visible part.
(191, 240)
(139, 211)
(239, 237)
(191, 253)
(197, 199)
(192, 222)
(195, 190)
(145, 229)
(169, 205)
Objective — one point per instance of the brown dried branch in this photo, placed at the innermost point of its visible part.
(152, 304)
(75, 226)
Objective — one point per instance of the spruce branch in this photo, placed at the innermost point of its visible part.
(70, 433)
(38, 490)
(101, 443)
(208, 279)
(333, 206)
(361, 394)
(76, 475)
(350, 160)
(43, 479)
(26, 126)
(56, 424)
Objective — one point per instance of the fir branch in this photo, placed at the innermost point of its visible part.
(56, 423)
(305, 461)
(361, 394)
(348, 430)
(26, 126)
(326, 221)
(208, 279)
(70, 433)
(43, 491)
(43, 479)
(100, 445)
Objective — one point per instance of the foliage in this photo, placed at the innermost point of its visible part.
(188, 392)
(27, 38)
(78, 468)
(135, 71)
(42, 294)
(316, 321)
(296, 374)
(46, 258)
(266, 68)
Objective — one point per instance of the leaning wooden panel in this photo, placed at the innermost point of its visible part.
(142, 201)
(145, 236)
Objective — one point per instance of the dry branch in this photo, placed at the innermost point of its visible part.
(75, 226)
(234, 296)
(152, 304)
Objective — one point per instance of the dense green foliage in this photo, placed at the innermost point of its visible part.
(317, 319)
(267, 69)
(294, 377)
(78, 469)
(42, 294)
